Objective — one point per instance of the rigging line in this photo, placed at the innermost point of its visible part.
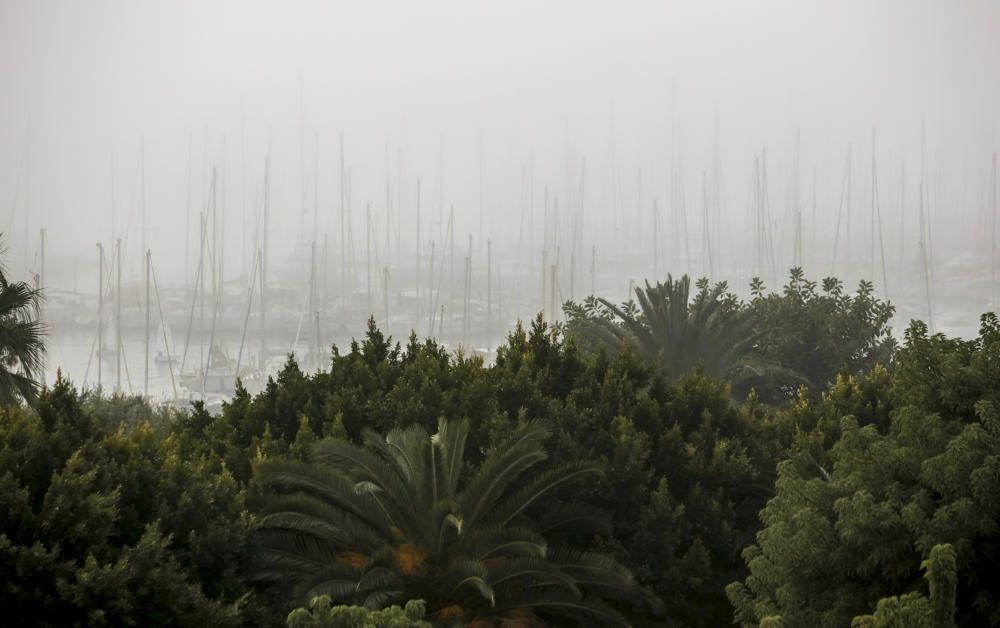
(90, 357)
(163, 326)
(878, 218)
(440, 278)
(216, 287)
(246, 317)
(840, 212)
(194, 297)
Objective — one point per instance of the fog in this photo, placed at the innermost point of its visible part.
(579, 147)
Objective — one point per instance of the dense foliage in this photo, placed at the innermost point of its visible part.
(774, 343)
(867, 497)
(22, 337)
(402, 518)
(881, 472)
(113, 523)
(321, 613)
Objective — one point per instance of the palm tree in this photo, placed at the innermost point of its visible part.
(712, 331)
(21, 341)
(394, 520)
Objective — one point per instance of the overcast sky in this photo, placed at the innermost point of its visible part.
(93, 79)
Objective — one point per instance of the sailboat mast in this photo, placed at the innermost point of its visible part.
(118, 315)
(41, 288)
(993, 237)
(418, 242)
(368, 257)
(343, 233)
(27, 192)
(145, 387)
(262, 262)
(388, 206)
(430, 290)
(489, 294)
(877, 217)
(314, 341)
(100, 313)
(142, 189)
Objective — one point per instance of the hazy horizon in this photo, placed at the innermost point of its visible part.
(602, 108)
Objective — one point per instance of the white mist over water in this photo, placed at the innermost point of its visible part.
(551, 130)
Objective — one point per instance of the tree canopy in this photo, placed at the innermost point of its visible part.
(573, 480)
(22, 337)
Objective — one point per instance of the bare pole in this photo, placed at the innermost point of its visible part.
(388, 206)
(203, 221)
(142, 188)
(923, 259)
(113, 204)
(466, 302)
(244, 260)
(902, 222)
(813, 220)
(430, 290)
(930, 222)
(314, 344)
(419, 241)
(707, 222)
(385, 297)
(246, 317)
(440, 280)
(27, 193)
(466, 322)
(480, 187)
(220, 294)
(263, 320)
(399, 208)
(368, 257)
(553, 273)
(545, 284)
(797, 204)
(572, 272)
(993, 238)
(500, 299)
(766, 208)
(638, 205)
(163, 326)
(316, 187)
(489, 295)
(100, 314)
(262, 262)
(187, 216)
(302, 169)
(545, 246)
(758, 218)
(451, 253)
(578, 232)
(656, 240)
(531, 208)
(441, 192)
(118, 314)
(199, 276)
(847, 233)
(343, 232)
(925, 247)
(593, 269)
(877, 217)
(41, 275)
(871, 224)
(844, 192)
(145, 388)
(717, 181)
